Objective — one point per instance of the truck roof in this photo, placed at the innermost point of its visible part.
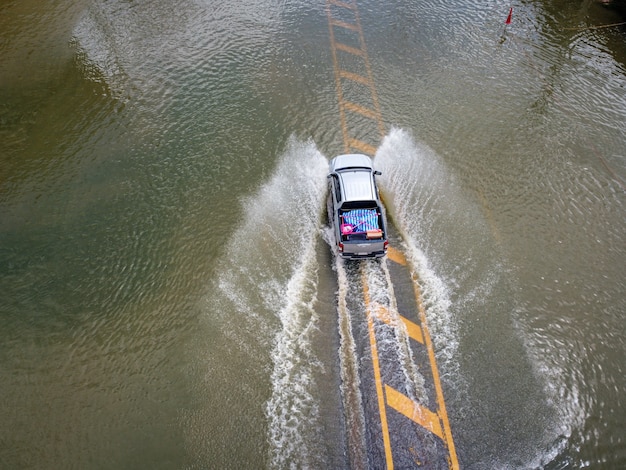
(350, 160)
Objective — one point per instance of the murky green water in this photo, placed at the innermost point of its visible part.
(166, 293)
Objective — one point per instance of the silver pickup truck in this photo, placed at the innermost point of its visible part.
(355, 211)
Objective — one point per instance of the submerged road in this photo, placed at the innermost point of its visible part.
(406, 424)
(170, 299)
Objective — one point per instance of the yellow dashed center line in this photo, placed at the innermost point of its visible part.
(416, 413)
(443, 415)
(396, 256)
(435, 422)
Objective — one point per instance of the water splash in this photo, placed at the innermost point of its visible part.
(414, 183)
(285, 217)
(293, 408)
(262, 304)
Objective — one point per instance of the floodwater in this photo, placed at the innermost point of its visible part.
(168, 297)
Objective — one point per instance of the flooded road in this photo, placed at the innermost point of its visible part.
(169, 298)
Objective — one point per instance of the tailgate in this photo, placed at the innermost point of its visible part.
(363, 247)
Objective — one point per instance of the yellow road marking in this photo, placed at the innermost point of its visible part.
(413, 329)
(357, 108)
(416, 413)
(343, 74)
(349, 49)
(362, 146)
(382, 313)
(377, 377)
(343, 24)
(447, 433)
(396, 256)
(355, 77)
(437, 422)
(342, 115)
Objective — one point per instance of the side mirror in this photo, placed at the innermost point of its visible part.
(377, 173)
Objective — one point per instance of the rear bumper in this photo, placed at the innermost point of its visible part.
(374, 254)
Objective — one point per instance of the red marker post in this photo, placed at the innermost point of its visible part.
(508, 18)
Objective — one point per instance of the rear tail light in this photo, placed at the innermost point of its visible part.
(341, 247)
(386, 244)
